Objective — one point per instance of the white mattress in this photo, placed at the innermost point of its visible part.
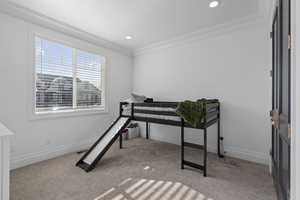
(127, 111)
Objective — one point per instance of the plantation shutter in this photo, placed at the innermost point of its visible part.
(66, 78)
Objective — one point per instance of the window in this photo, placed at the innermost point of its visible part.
(66, 78)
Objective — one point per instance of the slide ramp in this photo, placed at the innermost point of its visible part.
(97, 151)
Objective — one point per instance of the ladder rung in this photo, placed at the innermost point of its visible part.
(191, 145)
(191, 164)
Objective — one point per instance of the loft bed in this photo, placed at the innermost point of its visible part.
(164, 113)
(159, 113)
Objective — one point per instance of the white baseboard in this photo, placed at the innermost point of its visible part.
(248, 155)
(27, 159)
(45, 154)
(234, 152)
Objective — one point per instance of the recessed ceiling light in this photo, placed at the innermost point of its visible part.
(128, 37)
(214, 4)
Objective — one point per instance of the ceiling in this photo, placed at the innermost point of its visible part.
(147, 21)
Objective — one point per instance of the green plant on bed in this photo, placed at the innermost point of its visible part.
(192, 111)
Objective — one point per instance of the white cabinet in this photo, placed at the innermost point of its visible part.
(4, 162)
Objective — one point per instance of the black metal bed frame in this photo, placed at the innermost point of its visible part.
(211, 116)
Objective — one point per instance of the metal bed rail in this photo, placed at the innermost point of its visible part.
(211, 113)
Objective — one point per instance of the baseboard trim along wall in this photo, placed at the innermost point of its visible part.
(230, 151)
(244, 154)
(48, 153)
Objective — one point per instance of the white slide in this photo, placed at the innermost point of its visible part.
(88, 161)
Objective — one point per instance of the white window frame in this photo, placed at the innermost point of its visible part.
(45, 34)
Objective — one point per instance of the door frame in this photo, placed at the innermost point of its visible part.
(295, 98)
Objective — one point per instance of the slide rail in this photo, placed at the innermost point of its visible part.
(88, 167)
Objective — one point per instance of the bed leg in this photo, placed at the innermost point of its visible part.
(219, 139)
(182, 143)
(205, 153)
(219, 135)
(121, 140)
(147, 130)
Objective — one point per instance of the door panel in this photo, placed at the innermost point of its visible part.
(281, 99)
(284, 176)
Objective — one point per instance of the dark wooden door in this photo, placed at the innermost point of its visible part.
(281, 99)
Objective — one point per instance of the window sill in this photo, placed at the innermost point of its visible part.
(67, 113)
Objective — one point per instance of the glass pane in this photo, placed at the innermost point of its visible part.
(54, 82)
(88, 72)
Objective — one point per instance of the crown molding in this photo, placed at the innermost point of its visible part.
(263, 15)
(204, 34)
(33, 17)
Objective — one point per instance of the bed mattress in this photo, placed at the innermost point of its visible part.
(127, 111)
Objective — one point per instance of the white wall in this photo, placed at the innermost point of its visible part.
(40, 139)
(295, 144)
(232, 66)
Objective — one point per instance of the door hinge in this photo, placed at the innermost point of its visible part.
(271, 35)
(275, 118)
(271, 113)
(271, 73)
(289, 131)
(289, 41)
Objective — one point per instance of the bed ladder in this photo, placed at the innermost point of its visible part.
(195, 146)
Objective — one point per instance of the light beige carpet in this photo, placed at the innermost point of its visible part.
(143, 170)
